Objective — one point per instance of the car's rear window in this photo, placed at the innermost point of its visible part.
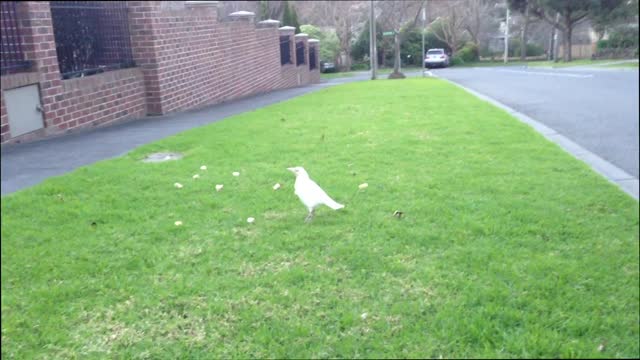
(434, 52)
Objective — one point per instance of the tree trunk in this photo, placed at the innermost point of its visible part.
(396, 55)
(567, 43)
(523, 34)
(550, 55)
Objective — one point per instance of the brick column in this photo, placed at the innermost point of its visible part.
(143, 46)
(290, 31)
(39, 46)
(303, 70)
(315, 73)
(154, 39)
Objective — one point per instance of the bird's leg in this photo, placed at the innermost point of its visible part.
(310, 216)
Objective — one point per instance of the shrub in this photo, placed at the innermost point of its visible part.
(532, 49)
(456, 60)
(469, 53)
(602, 44)
(360, 66)
(624, 37)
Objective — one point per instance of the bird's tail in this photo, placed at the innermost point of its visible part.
(332, 204)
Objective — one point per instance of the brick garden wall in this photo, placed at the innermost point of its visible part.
(68, 104)
(185, 59)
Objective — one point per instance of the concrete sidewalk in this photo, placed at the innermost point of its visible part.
(25, 165)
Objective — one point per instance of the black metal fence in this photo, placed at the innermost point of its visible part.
(91, 36)
(285, 50)
(11, 55)
(300, 53)
(312, 58)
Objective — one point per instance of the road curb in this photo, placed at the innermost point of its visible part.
(614, 174)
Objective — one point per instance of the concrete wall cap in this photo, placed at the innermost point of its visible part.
(287, 28)
(201, 3)
(302, 35)
(240, 14)
(269, 21)
(314, 41)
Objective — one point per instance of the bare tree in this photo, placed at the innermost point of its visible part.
(346, 17)
(529, 16)
(450, 25)
(342, 19)
(394, 15)
(571, 13)
(476, 15)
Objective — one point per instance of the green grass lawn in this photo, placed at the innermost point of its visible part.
(508, 246)
(381, 71)
(633, 64)
(337, 74)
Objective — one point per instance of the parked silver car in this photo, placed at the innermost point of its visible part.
(436, 58)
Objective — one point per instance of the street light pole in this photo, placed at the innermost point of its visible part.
(424, 20)
(373, 53)
(506, 36)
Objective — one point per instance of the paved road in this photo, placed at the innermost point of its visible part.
(596, 108)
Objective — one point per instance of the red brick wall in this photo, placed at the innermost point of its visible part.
(100, 99)
(190, 59)
(185, 59)
(68, 104)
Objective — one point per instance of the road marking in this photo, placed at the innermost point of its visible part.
(544, 73)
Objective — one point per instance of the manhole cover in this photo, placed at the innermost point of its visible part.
(160, 157)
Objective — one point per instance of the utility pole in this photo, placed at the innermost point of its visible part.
(373, 53)
(424, 21)
(506, 36)
(555, 38)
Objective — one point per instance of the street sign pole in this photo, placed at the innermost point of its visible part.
(373, 53)
(506, 37)
(424, 19)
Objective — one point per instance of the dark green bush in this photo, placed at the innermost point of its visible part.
(602, 44)
(532, 49)
(360, 66)
(469, 53)
(456, 60)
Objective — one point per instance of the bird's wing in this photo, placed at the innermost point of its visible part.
(319, 195)
(311, 191)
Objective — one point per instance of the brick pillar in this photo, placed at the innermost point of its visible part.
(315, 73)
(150, 25)
(305, 40)
(143, 46)
(290, 31)
(303, 70)
(39, 46)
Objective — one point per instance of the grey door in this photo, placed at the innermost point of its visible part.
(23, 109)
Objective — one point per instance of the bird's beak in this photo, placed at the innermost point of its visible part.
(292, 170)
